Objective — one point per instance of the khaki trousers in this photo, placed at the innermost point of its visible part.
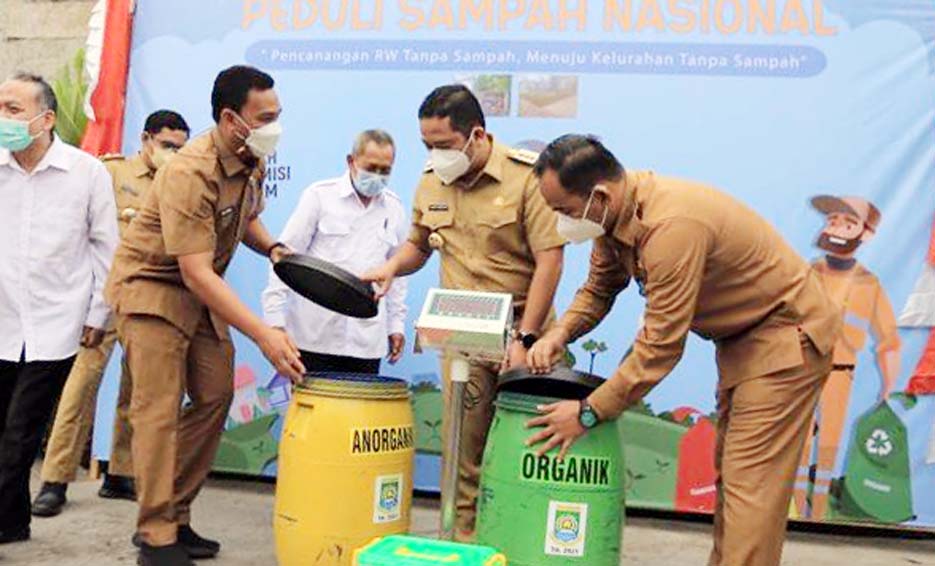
(75, 417)
(762, 427)
(479, 395)
(174, 446)
(833, 410)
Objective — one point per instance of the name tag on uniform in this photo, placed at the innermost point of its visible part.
(129, 189)
(227, 215)
(438, 207)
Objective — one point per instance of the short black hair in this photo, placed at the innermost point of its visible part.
(580, 161)
(233, 85)
(47, 99)
(457, 103)
(165, 120)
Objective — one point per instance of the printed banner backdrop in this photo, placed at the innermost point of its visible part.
(772, 101)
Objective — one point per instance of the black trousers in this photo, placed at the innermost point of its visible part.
(343, 364)
(28, 393)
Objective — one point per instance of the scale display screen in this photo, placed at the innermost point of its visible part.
(464, 306)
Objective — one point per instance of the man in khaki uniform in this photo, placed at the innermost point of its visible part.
(851, 221)
(478, 204)
(164, 133)
(173, 308)
(710, 265)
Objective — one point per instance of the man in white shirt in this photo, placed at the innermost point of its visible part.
(354, 222)
(58, 226)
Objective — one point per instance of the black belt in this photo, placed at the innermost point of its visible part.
(843, 367)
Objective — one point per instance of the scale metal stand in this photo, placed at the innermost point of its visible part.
(467, 326)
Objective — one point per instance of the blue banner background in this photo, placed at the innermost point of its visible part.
(855, 117)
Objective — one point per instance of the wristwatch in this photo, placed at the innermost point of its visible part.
(528, 339)
(269, 252)
(586, 415)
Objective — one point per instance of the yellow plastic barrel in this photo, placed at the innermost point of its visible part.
(345, 468)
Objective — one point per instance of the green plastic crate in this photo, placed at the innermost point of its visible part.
(411, 551)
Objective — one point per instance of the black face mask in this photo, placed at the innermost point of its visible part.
(825, 243)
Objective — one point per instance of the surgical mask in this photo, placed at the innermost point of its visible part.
(580, 230)
(451, 164)
(262, 141)
(159, 156)
(14, 134)
(370, 184)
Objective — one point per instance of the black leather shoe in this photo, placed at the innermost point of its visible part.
(190, 539)
(172, 555)
(197, 547)
(50, 501)
(117, 487)
(14, 535)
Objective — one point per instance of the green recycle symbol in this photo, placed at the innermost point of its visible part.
(879, 443)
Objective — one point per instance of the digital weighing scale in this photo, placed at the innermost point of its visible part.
(467, 326)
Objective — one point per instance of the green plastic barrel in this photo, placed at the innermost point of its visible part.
(543, 512)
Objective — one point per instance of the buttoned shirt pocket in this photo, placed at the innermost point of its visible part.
(331, 240)
(60, 228)
(499, 231)
(388, 241)
(439, 224)
(226, 222)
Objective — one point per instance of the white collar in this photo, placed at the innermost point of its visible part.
(56, 156)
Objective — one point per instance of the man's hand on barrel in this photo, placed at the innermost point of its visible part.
(282, 352)
(515, 356)
(560, 427)
(547, 351)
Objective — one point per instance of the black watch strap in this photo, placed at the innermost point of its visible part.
(269, 252)
(528, 339)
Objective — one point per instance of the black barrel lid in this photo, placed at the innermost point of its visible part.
(561, 383)
(327, 285)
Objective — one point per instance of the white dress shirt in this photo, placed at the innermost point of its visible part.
(58, 233)
(331, 223)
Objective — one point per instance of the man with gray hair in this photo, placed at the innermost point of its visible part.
(58, 223)
(355, 222)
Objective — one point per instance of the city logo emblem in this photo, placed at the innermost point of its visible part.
(566, 529)
(389, 495)
(387, 499)
(566, 526)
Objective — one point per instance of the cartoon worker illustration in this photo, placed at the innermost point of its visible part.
(850, 221)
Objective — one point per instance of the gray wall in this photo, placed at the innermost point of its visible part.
(41, 36)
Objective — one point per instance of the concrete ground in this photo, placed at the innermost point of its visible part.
(96, 532)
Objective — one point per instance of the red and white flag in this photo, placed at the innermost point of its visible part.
(107, 59)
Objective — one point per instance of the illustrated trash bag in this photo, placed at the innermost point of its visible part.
(877, 483)
(696, 486)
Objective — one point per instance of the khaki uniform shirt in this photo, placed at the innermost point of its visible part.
(487, 234)
(866, 310)
(200, 201)
(707, 264)
(132, 181)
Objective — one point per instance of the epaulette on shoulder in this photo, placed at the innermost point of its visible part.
(523, 156)
(112, 157)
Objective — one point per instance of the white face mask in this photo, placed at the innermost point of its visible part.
(580, 230)
(370, 184)
(450, 164)
(262, 141)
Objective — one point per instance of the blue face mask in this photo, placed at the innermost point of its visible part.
(14, 134)
(370, 184)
